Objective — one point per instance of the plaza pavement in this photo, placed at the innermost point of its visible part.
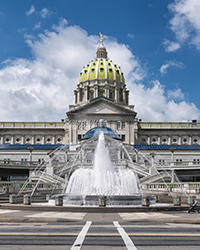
(16, 213)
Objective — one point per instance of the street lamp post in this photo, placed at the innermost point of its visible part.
(136, 151)
(152, 154)
(30, 150)
(172, 151)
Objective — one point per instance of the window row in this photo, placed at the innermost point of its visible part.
(165, 140)
(29, 140)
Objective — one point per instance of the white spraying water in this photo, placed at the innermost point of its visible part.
(102, 179)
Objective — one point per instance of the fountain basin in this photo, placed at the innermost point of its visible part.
(111, 200)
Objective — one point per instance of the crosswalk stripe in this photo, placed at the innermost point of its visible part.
(128, 242)
(79, 240)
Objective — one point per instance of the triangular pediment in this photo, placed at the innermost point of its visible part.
(100, 107)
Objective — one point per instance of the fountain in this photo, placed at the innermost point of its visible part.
(119, 185)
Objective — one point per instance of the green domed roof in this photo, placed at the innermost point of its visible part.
(101, 68)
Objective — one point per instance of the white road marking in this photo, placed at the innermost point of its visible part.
(150, 215)
(4, 211)
(79, 240)
(76, 216)
(128, 242)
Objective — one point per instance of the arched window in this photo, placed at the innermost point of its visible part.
(91, 94)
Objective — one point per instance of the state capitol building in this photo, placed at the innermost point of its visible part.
(101, 93)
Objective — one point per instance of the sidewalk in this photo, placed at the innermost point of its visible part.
(50, 214)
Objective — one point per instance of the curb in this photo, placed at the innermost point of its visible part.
(94, 209)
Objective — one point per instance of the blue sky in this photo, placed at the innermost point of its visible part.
(44, 45)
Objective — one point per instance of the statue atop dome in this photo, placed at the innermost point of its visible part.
(101, 36)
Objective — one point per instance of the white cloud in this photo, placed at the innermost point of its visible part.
(42, 88)
(45, 12)
(171, 46)
(175, 94)
(37, 26)
(186, 21)
(31, 11)
(130, 35)
(152, 104)
(164, 67)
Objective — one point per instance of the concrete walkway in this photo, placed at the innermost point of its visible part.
(46, 214)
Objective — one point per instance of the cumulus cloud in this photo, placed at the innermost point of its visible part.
(186, 21)
(31, 11)
(42, 88)
(164, 67)
(152, 104)
(171, 46)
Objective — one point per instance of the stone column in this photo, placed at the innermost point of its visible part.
(78, 96)
(96, 94)
(86, 94)
(124, 96)
(116, 94)
(75, 96)
(107, 91)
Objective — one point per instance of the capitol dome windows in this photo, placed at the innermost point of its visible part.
(7, 139)
(153, 140)
(18, 140)
(101, 63)
(48, 139)
(110, 70)
(101, 69)
(94, 64)
(93, 69)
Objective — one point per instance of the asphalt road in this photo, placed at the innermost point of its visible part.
(97, 235)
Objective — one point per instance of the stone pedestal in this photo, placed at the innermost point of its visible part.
(190, 200)
(58, 200)
(145, 201)
(27, 200)
(48, 196)
(13, 199)
(177, 201)
(102, 201)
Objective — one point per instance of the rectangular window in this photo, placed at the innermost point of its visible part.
(123, 125)
(79, 137)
